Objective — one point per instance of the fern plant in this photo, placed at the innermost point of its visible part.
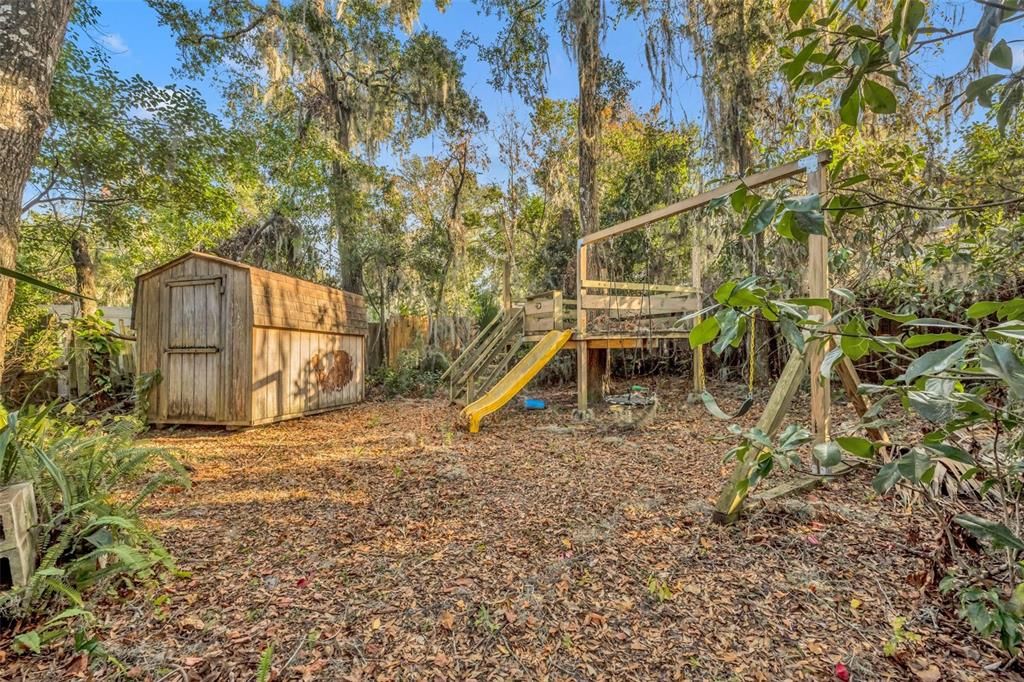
(89, 480)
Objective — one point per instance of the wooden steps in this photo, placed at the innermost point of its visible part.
(486, 358)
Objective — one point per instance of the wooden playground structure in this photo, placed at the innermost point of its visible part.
(619, 315)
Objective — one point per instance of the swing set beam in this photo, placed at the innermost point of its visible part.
(799, 365)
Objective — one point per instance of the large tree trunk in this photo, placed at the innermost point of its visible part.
(85, 273)
(506, 284)
(586, 14)
(586, 17)
(346, 231)
(350, 268)
(31, 35)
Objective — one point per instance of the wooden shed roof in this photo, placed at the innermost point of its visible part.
(288, 301)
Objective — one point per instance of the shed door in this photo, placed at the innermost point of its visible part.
(193, 352)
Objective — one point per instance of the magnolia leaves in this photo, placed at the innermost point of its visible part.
(868, 58)
(999, 360)
(793, 217)
(935, 362)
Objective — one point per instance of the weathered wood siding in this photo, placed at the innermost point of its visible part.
(238, 345)
(296, 372)
(192, 325)
(308, 347)
(288, 303)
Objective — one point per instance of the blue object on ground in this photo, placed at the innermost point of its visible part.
(534, 404)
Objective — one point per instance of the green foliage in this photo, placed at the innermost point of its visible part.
(97, 346)
(973, 381)
(407, 379)
(89, 482)
(266, 660)
(846, 45)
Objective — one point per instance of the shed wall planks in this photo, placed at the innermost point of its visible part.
(238, 345)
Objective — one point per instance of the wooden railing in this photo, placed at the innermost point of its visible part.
(612, 311)
(548, 311)
(486, 357)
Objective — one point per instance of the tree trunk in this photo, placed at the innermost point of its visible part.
(506, 284)
(31, 35)
(85, 273)
(586, 16)
(342, 215)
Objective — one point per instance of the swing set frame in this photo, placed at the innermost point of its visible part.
(591, 347)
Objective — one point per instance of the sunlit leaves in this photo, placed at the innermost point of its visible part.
(704, 332)
(866, 60)
(855, 339)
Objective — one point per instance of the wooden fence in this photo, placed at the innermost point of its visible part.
(73, 379)
(416, 334)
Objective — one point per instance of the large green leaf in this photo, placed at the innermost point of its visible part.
(828, 454)
(761, 218)
(1001, 55)
(921, 340)
(861, 447)
(886, 478)
(998, 359)
(810, 302)
(704, 332)
(879, 98)
(829, 360)
(980, 87)
(797, 9)
(934, 322)
(936, 361)
(1014, 329)
(895, 317)
(849, 111)
(792, 333)
(999, 535)
(914, 465)
(854, 340)
(934, 407)
(729, 328)
(982, 309)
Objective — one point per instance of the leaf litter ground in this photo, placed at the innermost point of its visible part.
(381, 541)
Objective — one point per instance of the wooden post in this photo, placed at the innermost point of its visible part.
(817, 287)
(556, 310)
(582, 384)
(597, 374)
(696, 275)
(730, 501)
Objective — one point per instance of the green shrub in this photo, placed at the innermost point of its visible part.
(408, 379)
(89, 481)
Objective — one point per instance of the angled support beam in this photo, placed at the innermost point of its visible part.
(730, 501)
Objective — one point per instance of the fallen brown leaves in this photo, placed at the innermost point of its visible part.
(380, 542)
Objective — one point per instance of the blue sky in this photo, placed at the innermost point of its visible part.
(130, 32)
(138, 44)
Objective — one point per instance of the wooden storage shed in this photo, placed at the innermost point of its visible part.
(239, 346)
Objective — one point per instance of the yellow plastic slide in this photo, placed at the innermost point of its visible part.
(518, 376)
